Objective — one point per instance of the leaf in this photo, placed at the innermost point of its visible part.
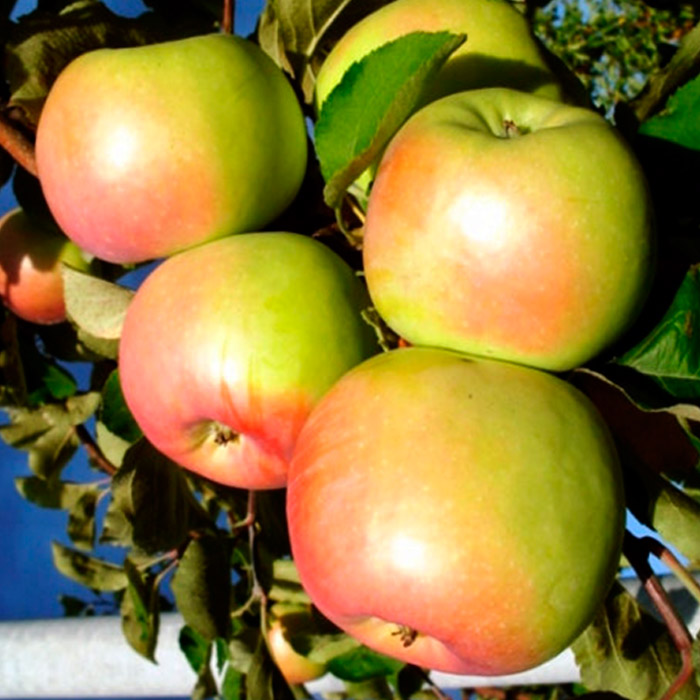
(678, 122)
(286, 586)
(196, 649)
(626, 651)
(202, 586)
(295, 33)
(47, 433)
(373, 99)
(151, 494)
(114, 413)
(52, 493)
(140, 611)
(81, 520)
(88, 571)
(264, 680)
(670, 354)
(361, 664)
(97, 308)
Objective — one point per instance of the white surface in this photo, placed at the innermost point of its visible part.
(88, 657)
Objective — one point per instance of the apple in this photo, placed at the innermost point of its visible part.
(500, 49)
(296, 668)
(461, 514)
(149, 150)
(226, 347)
(31, 257)
(510, 226)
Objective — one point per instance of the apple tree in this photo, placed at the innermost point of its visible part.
(150, 529)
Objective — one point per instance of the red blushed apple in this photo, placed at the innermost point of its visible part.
(31, 256)
(512, 226)
(457, 513)
(226, 348)
(146, 151)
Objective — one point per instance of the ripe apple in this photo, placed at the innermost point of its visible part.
(226, 348)
(457, 513)
(512, 226)
(295, 667)
(500, 49)
(146, 151)
(31, 257)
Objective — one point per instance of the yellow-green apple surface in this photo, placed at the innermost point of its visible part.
(226, 347)
(457, 513)
(511, 226)
(31, 258)
(295, 667)
(146, 151)
(500, 49)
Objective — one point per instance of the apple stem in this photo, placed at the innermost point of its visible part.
(93, 450)
(637, 552)
(511, 129)
(227, 18)
(14, 141)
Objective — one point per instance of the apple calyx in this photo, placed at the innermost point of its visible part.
(406, 634)
(224, 434)
(511, 129)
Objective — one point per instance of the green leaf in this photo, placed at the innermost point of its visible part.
(264, 681)
(140, 611)
(626, 651)
(372, 689)
(196, 649)
(373, 99)
(293, 32)
(286, 585)
(97, 308)
(670, 354)
(114, 413)
(678, 121)
(361, 664)
(202, 585)
(81, 520)
(47, 380)
(53, 493)
(151, 495)
(92, 572)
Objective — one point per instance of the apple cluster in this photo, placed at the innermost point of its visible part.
(454, 504)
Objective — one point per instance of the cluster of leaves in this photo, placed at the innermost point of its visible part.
(221, 556)
(613, 47)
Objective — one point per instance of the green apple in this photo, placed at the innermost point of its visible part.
(500, 49)
(460, 514)
(226, 347)
(31, 257)
(146, 151)
(286, 622)
(511, 226)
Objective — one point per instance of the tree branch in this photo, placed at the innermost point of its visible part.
(14, 141)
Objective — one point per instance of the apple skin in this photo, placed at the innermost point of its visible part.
(510, 226)
(226, 347)
(461, 514)
(296, 668)
(146, 151)
(500, 49)
(31, 257)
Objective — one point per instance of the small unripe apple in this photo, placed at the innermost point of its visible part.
(500, 49)
(511, 226)
(226, 348)
(295, 667)
(457, 513)
(149, 150)
(31, 257)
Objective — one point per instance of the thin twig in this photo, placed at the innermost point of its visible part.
(93, 450)
(666, 556)
(227, 18)
(637, 555)
(14, 141)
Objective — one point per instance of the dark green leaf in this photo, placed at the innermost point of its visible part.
(196, 649)
(264, 681)
(114, 413)
(81, 520)
(52, 493)
(670, 354)
(372, 689)
(373, 99)
(361, 664)
(150, 494)
(678, 122)
(97, 308)
(202, 586)
(140, 611)
(47, 380)
(408, 681)
(92, 572)
(627, 651)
